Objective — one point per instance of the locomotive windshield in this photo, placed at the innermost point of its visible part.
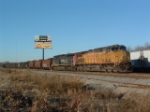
(123, 48)
(115, 48)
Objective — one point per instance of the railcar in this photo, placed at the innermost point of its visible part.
(18, 65)
(47, 63)
(38, 64)
(31, 64)
(13, 65)
(24, 64)
(7, 65)
(141, 61)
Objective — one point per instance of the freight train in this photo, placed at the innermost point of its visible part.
(114, 58)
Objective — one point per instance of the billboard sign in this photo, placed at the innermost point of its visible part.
(43, 45)
(43, 42)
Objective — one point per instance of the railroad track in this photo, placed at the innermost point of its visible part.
(136, 81)
(127, 85)
(129, 75)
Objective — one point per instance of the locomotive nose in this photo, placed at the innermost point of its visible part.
(126, 56)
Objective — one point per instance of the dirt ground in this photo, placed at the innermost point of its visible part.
(45, 91)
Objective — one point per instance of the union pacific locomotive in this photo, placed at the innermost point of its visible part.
(113, 58)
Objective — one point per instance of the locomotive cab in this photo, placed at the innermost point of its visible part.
(121, 58)
(121, 54)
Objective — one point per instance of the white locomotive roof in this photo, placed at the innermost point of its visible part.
(137, 54)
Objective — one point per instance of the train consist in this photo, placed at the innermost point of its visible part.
(113, 58)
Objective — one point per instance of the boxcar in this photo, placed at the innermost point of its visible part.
(32, 64)
(38, 64)
(46, 64)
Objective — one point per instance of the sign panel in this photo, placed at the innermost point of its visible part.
(43, 45)
(43, 38)
(43, 42)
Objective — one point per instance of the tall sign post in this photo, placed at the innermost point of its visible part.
(43, 42)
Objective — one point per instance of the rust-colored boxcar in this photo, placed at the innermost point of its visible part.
(46, 64)
(38, 64)
(31, 64)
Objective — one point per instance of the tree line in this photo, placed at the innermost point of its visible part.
(139, 47)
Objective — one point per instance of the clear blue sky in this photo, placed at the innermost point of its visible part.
(75, 25)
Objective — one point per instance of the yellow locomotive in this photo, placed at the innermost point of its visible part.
(113, 58)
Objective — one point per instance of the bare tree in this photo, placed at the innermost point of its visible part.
(129, 49)
(140, 48)
(147, 45)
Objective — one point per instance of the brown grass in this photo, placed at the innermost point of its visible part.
(23, 90)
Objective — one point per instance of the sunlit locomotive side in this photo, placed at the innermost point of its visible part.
(110, 59)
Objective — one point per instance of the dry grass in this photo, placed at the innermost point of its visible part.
(23, 90)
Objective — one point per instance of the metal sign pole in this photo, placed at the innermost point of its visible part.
(43, 53)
